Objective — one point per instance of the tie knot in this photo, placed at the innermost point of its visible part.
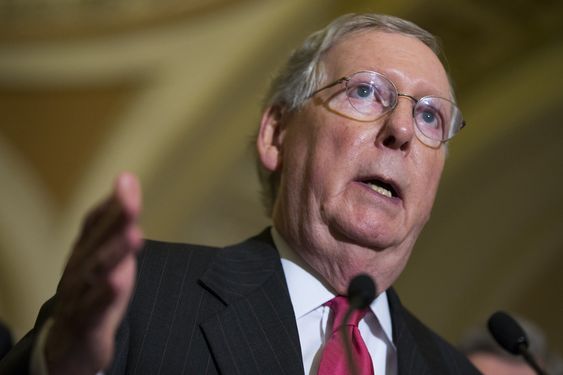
(339, 306)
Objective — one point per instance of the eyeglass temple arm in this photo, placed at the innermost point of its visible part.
(337, 82)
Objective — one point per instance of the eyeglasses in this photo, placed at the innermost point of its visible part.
(370, 96)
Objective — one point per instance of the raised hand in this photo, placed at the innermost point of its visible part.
(96, 284)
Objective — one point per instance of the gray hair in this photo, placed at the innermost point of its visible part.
(303, 73)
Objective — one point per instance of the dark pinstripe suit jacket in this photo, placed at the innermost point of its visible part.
(198, 310)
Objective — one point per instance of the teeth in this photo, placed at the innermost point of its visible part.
(380, 190)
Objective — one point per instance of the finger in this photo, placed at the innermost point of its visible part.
(119, 210)
(107, 230)
(96, 213)
(112, 252)
(92, 295)
(104, 304)
(128, 192)
(93, 270)
(109, 207)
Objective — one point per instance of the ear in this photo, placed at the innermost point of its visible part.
(270, 138)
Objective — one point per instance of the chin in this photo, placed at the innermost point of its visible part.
(365, 225)
(374, 237)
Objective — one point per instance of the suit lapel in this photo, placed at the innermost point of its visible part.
(256, 333)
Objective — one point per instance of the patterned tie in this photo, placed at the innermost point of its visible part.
(333, 359)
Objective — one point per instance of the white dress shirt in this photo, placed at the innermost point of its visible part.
(314, 321)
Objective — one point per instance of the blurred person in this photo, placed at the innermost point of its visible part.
(491, 359)
(350, 149)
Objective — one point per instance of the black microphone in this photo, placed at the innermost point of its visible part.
(512, 338)
(361, 293)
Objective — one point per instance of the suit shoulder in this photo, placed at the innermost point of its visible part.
(155, 245)
(174, 258)
(177, 250)
(420, 347)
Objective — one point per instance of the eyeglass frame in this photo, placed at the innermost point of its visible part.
(347, 79)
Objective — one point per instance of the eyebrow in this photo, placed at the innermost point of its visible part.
(420, 86)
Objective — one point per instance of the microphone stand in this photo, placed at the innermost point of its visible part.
(522, 348)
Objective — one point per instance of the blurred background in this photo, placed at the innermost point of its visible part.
(171, 90)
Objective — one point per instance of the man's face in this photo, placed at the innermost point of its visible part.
(329, 207)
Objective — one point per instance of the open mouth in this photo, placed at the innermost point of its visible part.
(384, 188)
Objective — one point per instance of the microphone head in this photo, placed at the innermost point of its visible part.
(507, 332)
(361, 291)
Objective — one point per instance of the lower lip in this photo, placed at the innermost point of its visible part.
(394, 200)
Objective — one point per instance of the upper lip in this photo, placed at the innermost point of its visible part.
(386, 182)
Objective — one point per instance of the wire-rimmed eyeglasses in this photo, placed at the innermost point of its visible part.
(371, 95)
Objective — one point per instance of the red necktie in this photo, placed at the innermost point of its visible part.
(333, 359)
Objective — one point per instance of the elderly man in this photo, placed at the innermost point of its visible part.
(351, 146)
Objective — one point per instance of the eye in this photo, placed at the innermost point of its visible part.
(362, 91)
(429, 120)
(428, 117)
(369, 92)
(369, 95)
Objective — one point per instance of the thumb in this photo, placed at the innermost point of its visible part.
(127, 191)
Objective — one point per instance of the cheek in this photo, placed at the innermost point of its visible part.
(322, 152)
(428, 173)
(338, 152)
(303, 161)
(343, 145)
(328, 144)
(429, 164)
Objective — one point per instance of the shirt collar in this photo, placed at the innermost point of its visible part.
(307, 291)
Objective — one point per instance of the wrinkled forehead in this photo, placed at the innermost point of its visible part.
(409, 63)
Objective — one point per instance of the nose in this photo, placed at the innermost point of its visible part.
(397, 131)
